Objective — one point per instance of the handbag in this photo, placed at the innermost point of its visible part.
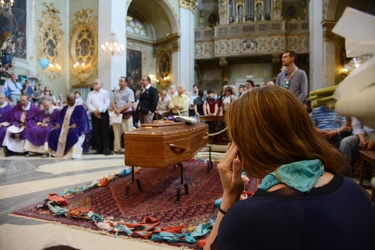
(127, 114)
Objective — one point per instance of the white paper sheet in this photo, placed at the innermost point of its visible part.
(114, 119)
(356, 93)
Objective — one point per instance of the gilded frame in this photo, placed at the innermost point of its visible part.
(50, 40)
(84, 47)
(164, 68)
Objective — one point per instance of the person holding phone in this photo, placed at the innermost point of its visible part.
(302, 202)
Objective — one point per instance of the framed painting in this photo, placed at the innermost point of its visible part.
(14, 20)
(134, 68)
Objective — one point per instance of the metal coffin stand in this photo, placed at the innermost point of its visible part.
(163, 145)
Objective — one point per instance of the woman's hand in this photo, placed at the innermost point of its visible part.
(230, 175)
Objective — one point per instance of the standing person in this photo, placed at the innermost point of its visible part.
(193, 96)
(226, 100)
(162, 110)
(68, 135)
(292, 77)
(37, 96)
(148, 101)
(27, 89)
(212, 104)
(199, 104)
(302, 202)
(5, 110)
(171, 92)
(79, 100)
(180, 103)
(23, 117)
(37, 136)
(98, 102)
(240, 91)
(14, 88)
(249, 86)
(123, 99)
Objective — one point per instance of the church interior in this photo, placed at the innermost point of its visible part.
(66, 45)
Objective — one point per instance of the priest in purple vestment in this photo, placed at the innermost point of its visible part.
(5, 110)
(68, 135)
(23, 116)
(37, 136)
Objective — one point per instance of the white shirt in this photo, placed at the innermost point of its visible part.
(98, 100)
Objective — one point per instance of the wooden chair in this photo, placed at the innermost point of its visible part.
(369, 157)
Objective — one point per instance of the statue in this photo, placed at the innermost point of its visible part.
(223, 11)
(6, 55)
(201, 18)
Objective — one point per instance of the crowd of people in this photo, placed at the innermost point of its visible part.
(33, 121)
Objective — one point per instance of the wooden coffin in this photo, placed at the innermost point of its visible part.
(163, 145)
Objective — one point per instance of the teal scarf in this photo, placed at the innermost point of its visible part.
(300, 175)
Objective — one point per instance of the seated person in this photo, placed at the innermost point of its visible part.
(5, 110)
(359, 140)
(23, 117)
(37, 136)
(68, 135)
(180, 103)
(162, 110)
(329, 124)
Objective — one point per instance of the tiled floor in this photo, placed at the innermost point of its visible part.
(25, 181)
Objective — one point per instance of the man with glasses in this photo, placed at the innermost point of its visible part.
(148, 101)
(292, 77)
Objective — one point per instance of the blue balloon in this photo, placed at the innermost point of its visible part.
(44, 63)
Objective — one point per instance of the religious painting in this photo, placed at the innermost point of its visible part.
(13, 19)
(164, 68)
(83, 47)
(134, 68)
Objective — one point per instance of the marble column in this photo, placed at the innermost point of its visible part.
(111, 19)
(183, 67)
(317, 65)
(329, 54)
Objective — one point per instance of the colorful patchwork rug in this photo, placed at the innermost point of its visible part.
(157, 199)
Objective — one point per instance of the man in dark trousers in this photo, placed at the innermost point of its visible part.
(148, 101)
(98, 102)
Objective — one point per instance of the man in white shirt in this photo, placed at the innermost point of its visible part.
(98, 102)
(14, 88)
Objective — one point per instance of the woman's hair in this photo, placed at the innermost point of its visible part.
(200, 93)
(271, 128)
(163, 93)
(229, 89)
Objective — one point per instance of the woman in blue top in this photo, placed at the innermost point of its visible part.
(302, 201)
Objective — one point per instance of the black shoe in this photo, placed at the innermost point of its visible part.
(107, 151)
(99, 152)
(8, 152)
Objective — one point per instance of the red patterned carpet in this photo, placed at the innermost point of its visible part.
(157, 199)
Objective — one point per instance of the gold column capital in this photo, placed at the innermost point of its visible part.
(189, 4)
(327, 31)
